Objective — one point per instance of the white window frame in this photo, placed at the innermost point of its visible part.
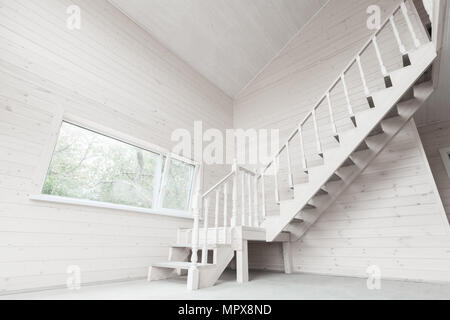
(445, 155)
(160, 177)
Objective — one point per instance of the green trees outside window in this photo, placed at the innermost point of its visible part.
(90, 166)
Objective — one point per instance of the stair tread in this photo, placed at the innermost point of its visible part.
(419, 91)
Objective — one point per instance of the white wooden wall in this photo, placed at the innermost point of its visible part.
(287, 89)
(111, 72)
(435, 137)
(392, 215)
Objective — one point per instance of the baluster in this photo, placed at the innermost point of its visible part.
(364, 82)
(397, 36)
(244, 218)
(196, 212)
(277, 190)
(379, 57)
(225, 205)
(401, 46)
(387, 79)
(333, 123)
(263, 195)
(205, 232)
(290, 175)
(363, 76)
(410, 26)
(347, 98)
(216, 221)
(234, 198)
(255, 201)
(250, 207)
(302, 148)
(316, 130)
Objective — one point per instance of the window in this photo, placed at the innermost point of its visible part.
(445, 154)
(87, 165)
(179, 180)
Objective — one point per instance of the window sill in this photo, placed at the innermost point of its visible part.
(105, 205)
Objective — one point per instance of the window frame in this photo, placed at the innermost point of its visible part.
(159, 183)
(445, 155)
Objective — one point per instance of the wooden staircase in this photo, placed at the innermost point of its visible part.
(179, 262)
(222, 245)
(205, 252)
(393, 109)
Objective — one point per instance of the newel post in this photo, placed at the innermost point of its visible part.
(193, 274)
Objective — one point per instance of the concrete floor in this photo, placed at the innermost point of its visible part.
(263, 285)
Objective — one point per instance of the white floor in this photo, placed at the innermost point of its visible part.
(263, 285)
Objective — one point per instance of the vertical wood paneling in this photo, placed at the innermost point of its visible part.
(391, 216)
(435, 137)
(112, 72)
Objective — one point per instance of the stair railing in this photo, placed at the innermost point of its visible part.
(242, 184)
(326, 98)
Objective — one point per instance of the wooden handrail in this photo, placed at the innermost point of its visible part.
(228, 176)
(218, 184)
(334, 84)
(248, 171)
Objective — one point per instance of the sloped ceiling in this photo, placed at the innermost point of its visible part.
(228, 41)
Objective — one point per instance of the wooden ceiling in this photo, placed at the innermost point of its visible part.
(227, 41)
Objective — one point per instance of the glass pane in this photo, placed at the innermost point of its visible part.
(88, 165)
(178, 187)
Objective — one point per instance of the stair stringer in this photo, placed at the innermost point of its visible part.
(385, 100)
(208, 277)
(310, 218)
